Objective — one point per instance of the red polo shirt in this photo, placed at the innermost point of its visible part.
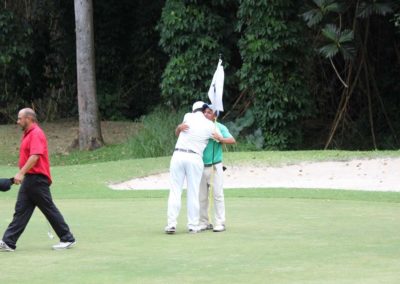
(34, 142)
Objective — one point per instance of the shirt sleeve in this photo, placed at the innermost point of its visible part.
(224, 131)
(185, 118)
(37, 145)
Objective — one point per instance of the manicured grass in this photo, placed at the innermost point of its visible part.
(274, 240)
(273, 236)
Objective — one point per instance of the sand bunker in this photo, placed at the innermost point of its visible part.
(370, 175)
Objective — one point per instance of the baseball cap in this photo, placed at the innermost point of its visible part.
(210, 106)
(198, 105)
(5, 184)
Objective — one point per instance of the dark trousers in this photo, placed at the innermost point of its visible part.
(35, 191)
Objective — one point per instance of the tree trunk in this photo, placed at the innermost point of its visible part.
(89, 124)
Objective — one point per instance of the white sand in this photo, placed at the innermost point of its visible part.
(370, 175)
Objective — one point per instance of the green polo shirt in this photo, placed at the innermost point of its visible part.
(213, 152)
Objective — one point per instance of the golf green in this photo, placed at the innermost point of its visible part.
(268, 240)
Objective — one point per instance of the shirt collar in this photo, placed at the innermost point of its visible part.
(33, 126)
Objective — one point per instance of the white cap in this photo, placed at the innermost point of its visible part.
(198, 105)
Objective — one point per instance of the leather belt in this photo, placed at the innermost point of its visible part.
(185, 151)
(213, 164)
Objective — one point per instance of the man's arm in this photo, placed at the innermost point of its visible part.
(181, 127)
(220, 139)
(225, 137)
(28, 165)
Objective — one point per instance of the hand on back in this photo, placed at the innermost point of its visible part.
(184, 127)
(217, 137)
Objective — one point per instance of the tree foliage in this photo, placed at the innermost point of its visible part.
(192, 33)
(273, 50)
(354, 37)
(299, 74)
(129, 60)
(15, 50)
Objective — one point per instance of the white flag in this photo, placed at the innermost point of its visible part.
(217, 88)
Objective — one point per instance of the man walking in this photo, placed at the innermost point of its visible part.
(35, 179)
(187, 162)
(213, 175)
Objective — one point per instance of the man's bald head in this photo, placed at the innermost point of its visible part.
(26, 117)
(28, 112)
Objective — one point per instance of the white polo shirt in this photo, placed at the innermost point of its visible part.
(196, 137)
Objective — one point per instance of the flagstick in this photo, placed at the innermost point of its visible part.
(211, 189)
(212, 94)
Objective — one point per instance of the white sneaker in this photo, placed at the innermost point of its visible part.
(170, 230)
(219, 228)
(206, 227)
(64, 245)
(5, 247)
(194, 231)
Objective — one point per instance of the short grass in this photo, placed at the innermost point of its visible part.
(273, 236)
(268, 241)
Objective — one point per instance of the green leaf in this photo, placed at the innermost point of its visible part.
(322, 7)
(346, 36)
(331, 32)
(329, 50)
(382, 8)
(312, 17)
(334, 7)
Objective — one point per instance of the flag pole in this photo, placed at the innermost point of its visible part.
(212, 178)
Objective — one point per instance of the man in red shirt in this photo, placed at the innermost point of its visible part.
(35, 179)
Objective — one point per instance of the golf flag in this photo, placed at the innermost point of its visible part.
(217, 88)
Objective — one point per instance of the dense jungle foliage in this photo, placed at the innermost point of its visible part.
(298, 74)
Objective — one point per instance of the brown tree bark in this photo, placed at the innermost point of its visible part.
(90, 136)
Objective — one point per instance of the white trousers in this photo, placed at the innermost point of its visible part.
(190, 166)
(216, 179)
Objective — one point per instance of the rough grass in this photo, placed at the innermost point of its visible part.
(61, 136)
(152, 136)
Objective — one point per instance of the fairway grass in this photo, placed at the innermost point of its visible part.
(273, 235)
(268, 241)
